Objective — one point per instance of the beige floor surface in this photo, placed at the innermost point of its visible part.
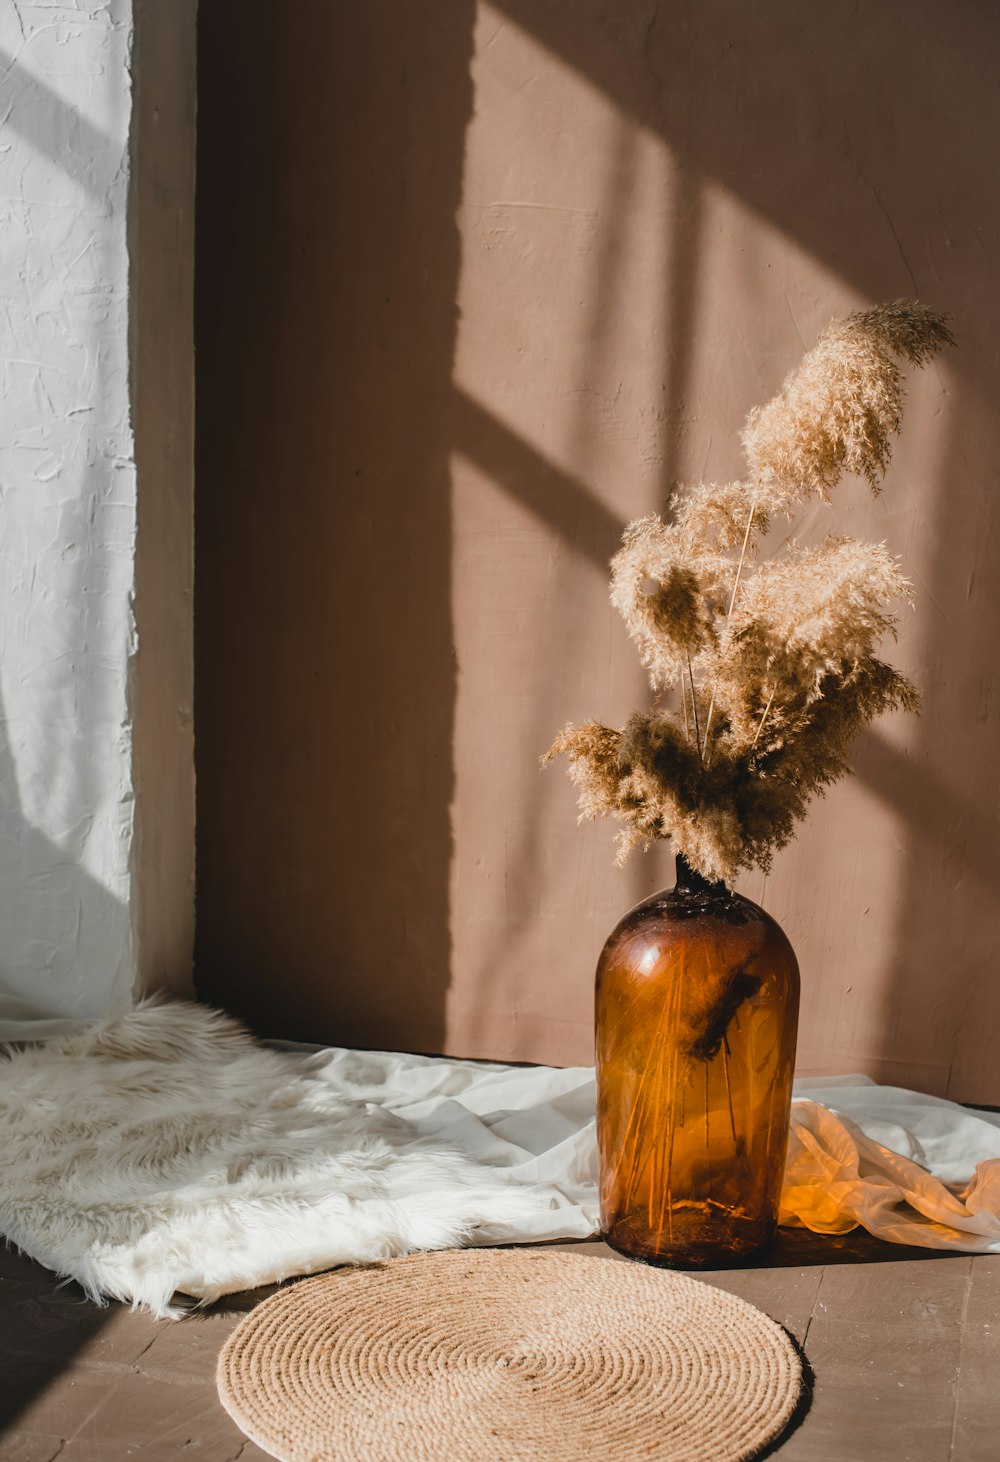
(904, 1348)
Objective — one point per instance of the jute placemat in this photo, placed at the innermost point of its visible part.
(523, 1355)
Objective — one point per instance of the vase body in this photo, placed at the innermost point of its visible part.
(697, 1013)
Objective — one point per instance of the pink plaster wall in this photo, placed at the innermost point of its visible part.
(480, 285)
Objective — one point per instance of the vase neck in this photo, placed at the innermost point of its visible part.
(689, 880)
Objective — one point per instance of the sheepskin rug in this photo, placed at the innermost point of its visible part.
(164, 1153)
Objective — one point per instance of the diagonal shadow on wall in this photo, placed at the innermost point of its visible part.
(836, 139)
(867, 138)
(41, 117)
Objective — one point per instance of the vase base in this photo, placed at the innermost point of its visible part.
(694, 1236)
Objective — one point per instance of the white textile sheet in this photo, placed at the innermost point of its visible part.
(912, 1169)
(164, 1151)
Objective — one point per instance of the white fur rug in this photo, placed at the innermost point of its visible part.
(165, 1151)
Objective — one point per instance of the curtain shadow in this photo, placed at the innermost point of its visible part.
(798, 116)
(40, 116)
(562, 501)
(960, 821)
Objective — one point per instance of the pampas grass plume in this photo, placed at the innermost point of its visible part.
(776, 666)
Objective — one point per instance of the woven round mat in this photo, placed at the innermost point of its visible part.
(522, 1355)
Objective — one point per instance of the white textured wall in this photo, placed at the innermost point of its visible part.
(67, 504)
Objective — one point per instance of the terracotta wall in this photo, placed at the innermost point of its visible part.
(477, 284)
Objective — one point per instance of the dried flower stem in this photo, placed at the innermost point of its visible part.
(647, 1092)
(729, 1086)
(732, 600)
(760, 724)
(694, 707)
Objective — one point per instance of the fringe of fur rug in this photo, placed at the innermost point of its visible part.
(164, 1152)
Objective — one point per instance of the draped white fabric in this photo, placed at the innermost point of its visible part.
(910, 1168)
(20, 1020)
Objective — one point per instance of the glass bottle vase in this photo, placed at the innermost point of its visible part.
(697, 1012)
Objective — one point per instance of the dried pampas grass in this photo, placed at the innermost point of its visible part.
(776, 666)
(840, 410)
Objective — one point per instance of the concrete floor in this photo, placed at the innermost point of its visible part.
(904, 1349)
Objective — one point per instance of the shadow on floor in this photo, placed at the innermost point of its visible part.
(43, 1325)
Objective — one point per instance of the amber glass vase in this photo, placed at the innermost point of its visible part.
(697, 1011)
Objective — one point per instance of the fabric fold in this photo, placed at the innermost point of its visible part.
(837, 1178)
